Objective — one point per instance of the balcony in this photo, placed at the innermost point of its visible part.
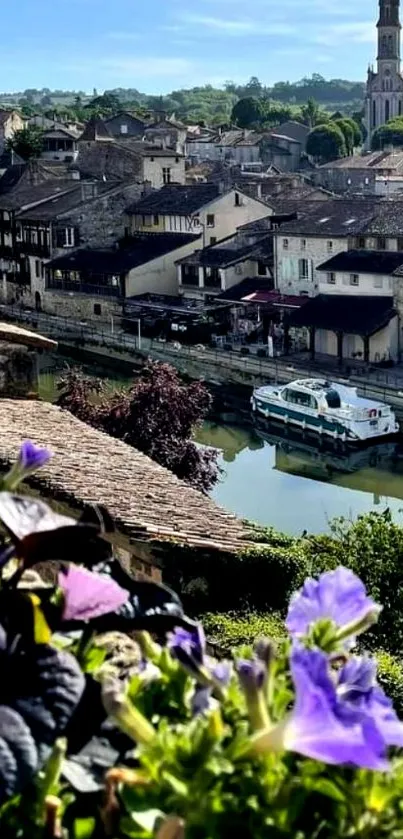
(32, 249)
(83, 288)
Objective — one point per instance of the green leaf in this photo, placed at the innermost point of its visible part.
(83, 828)
(325, 787)
(94, 659)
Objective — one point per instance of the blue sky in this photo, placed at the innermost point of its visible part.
(157, 45)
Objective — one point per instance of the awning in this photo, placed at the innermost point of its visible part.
(350, 314)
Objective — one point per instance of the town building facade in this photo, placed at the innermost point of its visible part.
(384, 94)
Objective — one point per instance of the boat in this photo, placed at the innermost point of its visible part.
(327, 408)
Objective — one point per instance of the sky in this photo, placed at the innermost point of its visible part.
(159, 45)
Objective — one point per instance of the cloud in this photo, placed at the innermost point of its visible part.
(362, 32)
(236, 28)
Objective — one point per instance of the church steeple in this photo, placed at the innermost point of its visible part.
(389, 33)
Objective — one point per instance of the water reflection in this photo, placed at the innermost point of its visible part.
(290, 481)
(280, 477)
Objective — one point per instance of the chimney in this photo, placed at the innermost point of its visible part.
(259, 190)
(89, 189)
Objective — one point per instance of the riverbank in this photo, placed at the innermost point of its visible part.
(216, 366)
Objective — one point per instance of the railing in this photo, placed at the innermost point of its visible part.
(31, 249)
(384, 385)
(83, 288)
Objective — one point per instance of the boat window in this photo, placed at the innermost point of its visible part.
(333, 399)
(297, 397)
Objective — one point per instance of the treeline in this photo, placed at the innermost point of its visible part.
(206, 103)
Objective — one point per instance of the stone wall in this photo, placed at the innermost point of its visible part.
(18, 371)
(99, 159)
(101, 222)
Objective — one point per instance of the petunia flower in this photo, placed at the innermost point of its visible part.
(323, 725)
(252, 675)
(358, 690)
(338, 596)
(202, 699)
(88, 595)
(188, 647)
(32, 457)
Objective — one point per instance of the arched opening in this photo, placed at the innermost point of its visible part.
(38, 302)
(390, 45)
(387, 110)
(374, 114)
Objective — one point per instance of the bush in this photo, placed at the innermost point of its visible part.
(232, 629)
(390, 676)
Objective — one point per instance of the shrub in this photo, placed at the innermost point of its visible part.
(232, 629)
(390, 676)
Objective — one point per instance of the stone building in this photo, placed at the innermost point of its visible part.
(384, 96)
(10, 122)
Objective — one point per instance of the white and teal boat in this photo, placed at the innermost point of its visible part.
(326, 408)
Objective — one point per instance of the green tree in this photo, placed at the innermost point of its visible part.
(310, 112)
(247, 112)
(254, 87)
(27, 143)
(347, 132)
(326, 142)
(389, 134)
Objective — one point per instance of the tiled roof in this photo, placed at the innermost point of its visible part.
(373, 161)
(339, 217)
(16, 335)
(58, 205)
(352, 314)
(142, 249)
(176, 199)
(146, 149)
(26, 194)
(364, 262)
(95, 130)
(145, 500)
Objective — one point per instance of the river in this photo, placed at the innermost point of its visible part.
(282, 481)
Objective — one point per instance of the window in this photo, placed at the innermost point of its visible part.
(261, 269)
(381, 243)
(330, 246)
(190, 275)
(285, 244)
(124, 128)
(354, 279)
(361, 242)
(213, 240)
(166, 175)
(37, 268)
(299, 398)
(378, 282)
(237, 199)
(212, 277)
(156, 220)
(176, 159)
(303, 244)
(147, 221)
(69, 237)
(400, 243)
(97, 309)
(303, 266)
(210, 221)
(331, 278)
(387, 110)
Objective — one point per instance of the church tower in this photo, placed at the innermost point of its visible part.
(384, 96)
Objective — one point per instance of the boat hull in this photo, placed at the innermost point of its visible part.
(320, 425)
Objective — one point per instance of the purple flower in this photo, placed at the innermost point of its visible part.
(337, 595)
(88, 595)
(202, 698)
(358, 691)
(339, 717)
(188, 647)
(31, 457)
(252, 674)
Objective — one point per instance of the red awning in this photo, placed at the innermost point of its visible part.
(274, 298)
